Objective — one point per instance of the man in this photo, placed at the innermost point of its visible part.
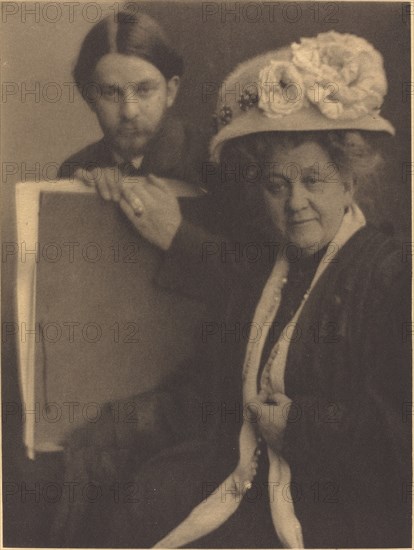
(129, 74)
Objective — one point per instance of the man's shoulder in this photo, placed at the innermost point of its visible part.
(93, 155)
(177, 151)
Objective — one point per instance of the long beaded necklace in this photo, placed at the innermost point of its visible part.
(265, 380)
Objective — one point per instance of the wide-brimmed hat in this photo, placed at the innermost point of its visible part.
(331, 82)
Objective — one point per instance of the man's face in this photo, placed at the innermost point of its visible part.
(132, 100)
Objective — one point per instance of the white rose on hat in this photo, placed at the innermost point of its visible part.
(281, 89)
(343, 74)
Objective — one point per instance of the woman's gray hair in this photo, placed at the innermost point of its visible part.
(353, 152)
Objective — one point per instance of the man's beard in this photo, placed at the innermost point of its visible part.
(129, 146)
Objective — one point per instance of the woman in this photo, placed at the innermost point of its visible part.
(305, 441)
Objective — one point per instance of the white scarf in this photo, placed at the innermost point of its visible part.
(213, 511)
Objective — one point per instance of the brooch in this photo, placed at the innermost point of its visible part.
(224, 117)
(248, 99)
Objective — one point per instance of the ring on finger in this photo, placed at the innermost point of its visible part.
(137, 207)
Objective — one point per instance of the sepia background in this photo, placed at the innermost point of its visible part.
(41, 129)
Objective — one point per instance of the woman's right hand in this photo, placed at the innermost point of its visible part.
(107, 181)
(271, 414)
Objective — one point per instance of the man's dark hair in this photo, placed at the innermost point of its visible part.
(128, 33)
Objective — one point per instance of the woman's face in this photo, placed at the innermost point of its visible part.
(305, 195)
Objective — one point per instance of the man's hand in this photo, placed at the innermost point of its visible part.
(271, 413)
(152, 207)
(108, 181)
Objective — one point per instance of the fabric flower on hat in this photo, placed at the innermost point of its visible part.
(343, 74)
(281, 89)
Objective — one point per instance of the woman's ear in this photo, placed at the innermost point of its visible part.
(349, 188)
(347, 178)
(172, 89)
